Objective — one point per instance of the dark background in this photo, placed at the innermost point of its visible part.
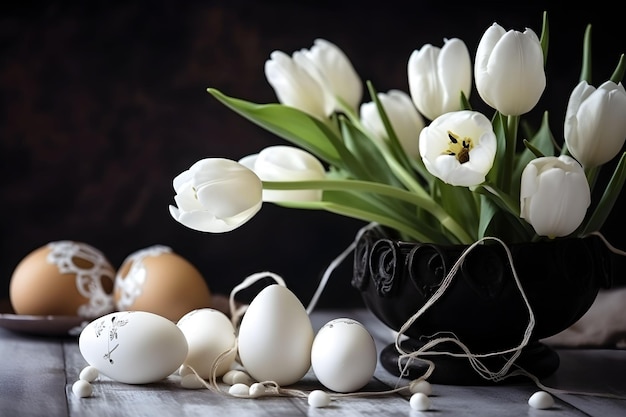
(104, 103)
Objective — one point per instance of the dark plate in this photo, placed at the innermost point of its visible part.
(44, 325)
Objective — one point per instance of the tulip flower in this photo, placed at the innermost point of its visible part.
(333, 71)
(438, 76)
(459, 147)
(509, 70)
(216, 195)
(554, 195)
(595, 122)
(294, 86)
(286, 163)
(405, 120)
(315, 81)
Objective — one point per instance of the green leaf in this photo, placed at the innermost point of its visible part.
(367, 153)
(534, 150)
(376, 204)
(542, 143)
(545, 38)
(509, 209)
(290, 124)
(395, 147)
(607, 201)
(487, 212)
(465, 104)
(352, 206)
(419, 201)
(618, 74)
(585, 71)
(460, 203)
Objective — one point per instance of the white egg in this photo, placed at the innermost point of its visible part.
(209, 334)
(343, 355)
(275, 337)
(133, 347)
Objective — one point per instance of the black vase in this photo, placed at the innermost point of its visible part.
(482, 305)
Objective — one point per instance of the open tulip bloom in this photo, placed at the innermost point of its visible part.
(424, 163)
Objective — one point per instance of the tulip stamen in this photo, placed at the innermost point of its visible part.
(459, 147)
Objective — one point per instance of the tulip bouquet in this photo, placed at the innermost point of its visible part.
(424, 163)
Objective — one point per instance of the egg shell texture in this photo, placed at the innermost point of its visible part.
(158, 280)
(343, 355)
(275, 337)
(209, 334)
(63, 278)
(133, 347)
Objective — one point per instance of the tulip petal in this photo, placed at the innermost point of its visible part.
(216, 195)
(509, 70)
(554, 195)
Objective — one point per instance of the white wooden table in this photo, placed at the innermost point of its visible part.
(37, 373)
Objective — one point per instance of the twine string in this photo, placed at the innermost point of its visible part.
(407, 356)
(272, 388)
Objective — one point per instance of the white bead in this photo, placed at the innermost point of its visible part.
(541, 400)
(419, 401)
(191, 381)
(235, 376)
(82, 388)
(257, 390)
(89, 373)
(239, 390)
(184, 370)
(318, 399)
(421, 386)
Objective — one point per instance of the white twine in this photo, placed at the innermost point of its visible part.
(272, 388)
(334, 264)
(237, 312)
(474, 359)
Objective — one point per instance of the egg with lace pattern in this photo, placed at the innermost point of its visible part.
(63, 278)
(158, 280)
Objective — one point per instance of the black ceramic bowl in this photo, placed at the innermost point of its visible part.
(482, 306)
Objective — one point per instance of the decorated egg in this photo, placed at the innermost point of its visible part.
(133, 347)
(160, 281)
(210, 337)
(343, 355)
(63, 278)
(275, 337)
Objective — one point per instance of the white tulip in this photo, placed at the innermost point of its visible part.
(294, 86)
(314, 80)
(437, 76)
(286, 163)
(332, 69)
(216, 195)
(509, 70)
(595, 122)
(554, 195)
(405, 120)
(459, 147)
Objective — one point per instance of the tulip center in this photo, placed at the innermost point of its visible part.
(459, 147)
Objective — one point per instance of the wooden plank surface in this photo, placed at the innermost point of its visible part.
(37, 374)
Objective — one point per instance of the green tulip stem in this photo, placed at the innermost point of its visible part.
(368, 216)
(509, 155)
(423, 202)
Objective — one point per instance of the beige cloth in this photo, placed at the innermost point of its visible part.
(603, 326)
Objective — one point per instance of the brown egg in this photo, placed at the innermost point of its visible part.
(63, 278)
(157, 280)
